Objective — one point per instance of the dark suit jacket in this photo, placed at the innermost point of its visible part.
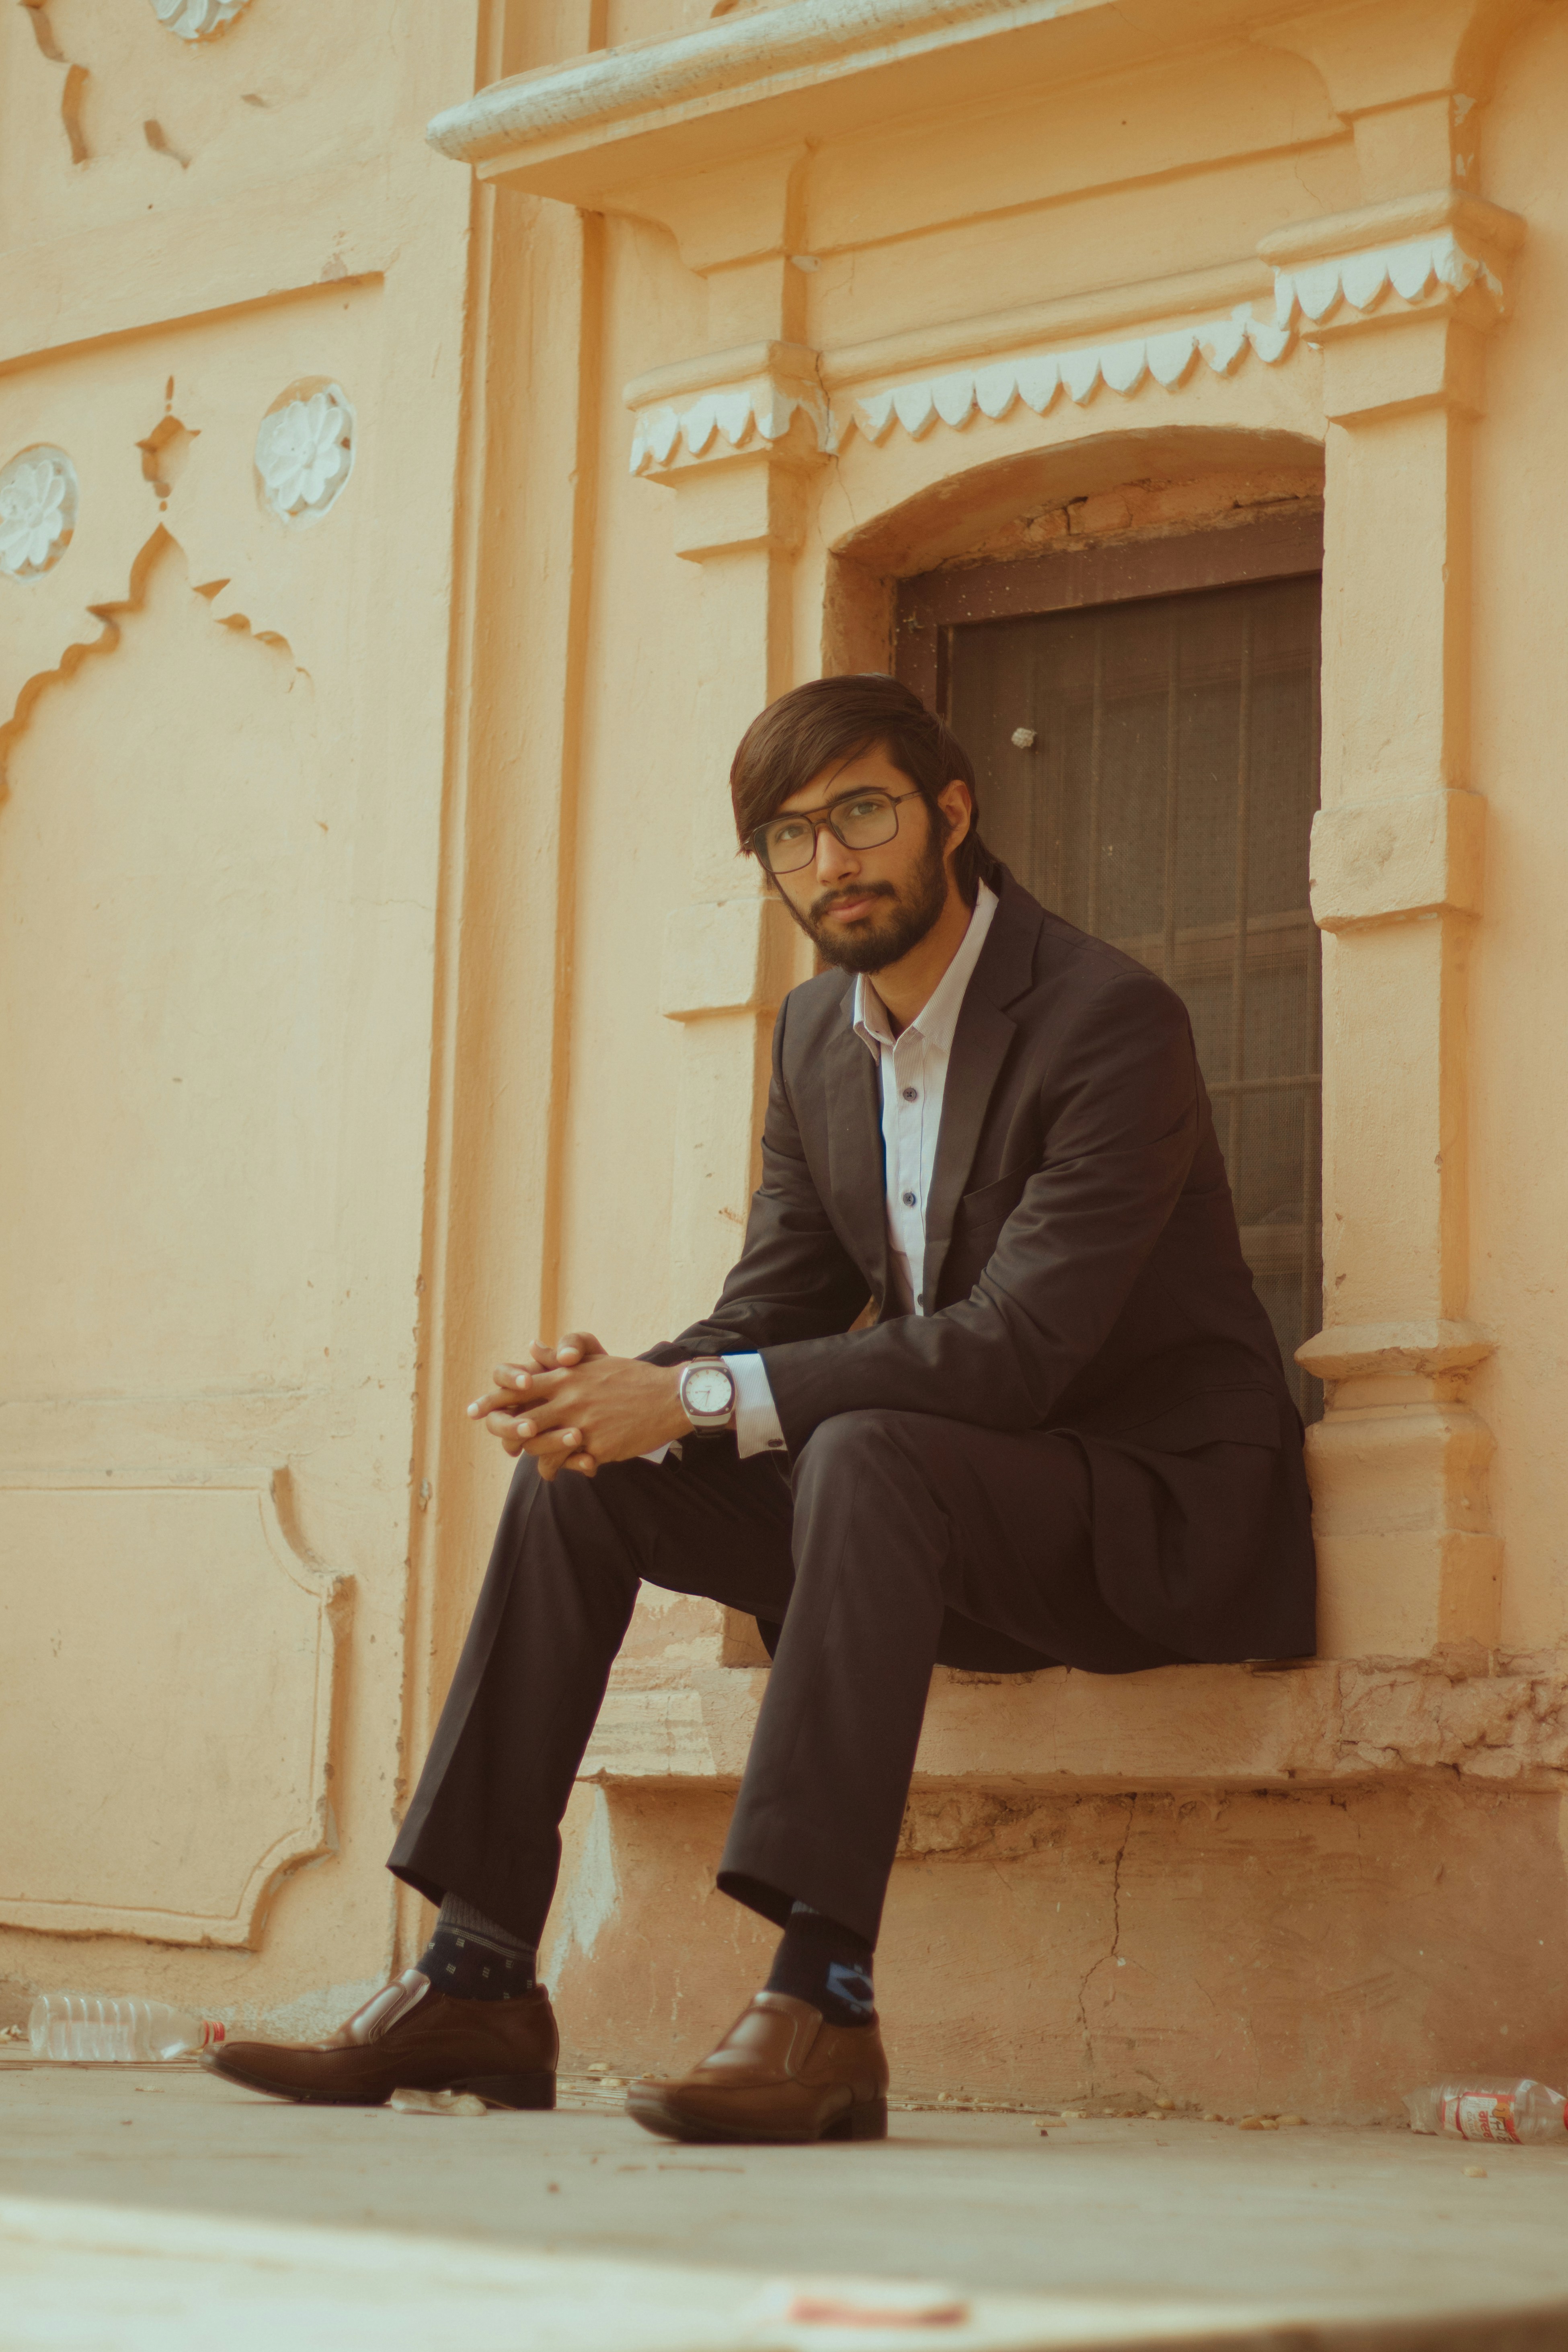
(1083, 1271)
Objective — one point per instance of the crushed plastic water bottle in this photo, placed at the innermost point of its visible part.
(75, 2025)
(1523, 2112)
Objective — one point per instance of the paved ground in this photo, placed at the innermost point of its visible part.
(157, 2208)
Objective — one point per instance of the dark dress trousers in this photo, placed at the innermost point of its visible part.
(1083, 1452)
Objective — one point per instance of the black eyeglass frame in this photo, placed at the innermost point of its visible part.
(817, 818)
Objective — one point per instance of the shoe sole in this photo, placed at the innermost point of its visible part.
(518, 2092)
(866, 2119)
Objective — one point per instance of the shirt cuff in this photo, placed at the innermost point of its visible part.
(757, 1428)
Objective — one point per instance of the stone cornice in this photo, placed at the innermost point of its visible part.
(791, 363)
(734, 60)
(1478, 225)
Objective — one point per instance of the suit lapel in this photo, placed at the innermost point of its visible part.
(855, 1157)
(980, 1047)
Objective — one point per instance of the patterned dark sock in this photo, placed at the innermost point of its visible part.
(469, 1958)
(826, 1964)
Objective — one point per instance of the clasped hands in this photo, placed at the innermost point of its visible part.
(571, 1406)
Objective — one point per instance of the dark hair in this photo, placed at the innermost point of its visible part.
(836, 720)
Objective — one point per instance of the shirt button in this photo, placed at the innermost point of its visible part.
(910, 1095)
(907, 1199)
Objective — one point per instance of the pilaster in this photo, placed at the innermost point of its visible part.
(734, 438)
(1400, 297)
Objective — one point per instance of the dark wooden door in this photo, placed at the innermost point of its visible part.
(1148, 767)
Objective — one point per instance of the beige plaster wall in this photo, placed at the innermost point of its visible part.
(224, 748)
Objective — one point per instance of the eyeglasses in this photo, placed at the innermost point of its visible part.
(860, 821)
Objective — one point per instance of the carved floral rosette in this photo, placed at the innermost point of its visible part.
(37, 511)
(194, 20)
(304, 454)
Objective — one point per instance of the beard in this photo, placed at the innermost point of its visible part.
(898, 921)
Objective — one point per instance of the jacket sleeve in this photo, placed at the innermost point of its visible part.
(1122, 1123)
(793, 1281)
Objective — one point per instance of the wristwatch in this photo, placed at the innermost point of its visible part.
(707, 1392)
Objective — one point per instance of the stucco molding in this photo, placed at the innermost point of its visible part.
(281, 1617)
(736, 416)
(1438, 245)
(1390, 860)
(730, 416)
(1366, 1350)
(305, 452)
(1095, 314)
(38, 498)
(1036, 379)
(197, 20)
(1412, 269)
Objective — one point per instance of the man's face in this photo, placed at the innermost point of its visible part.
(865, 909)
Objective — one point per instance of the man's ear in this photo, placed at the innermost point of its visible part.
(957, 808)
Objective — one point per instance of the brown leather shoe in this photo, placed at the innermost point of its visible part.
(782, 2072)
(410, 2037)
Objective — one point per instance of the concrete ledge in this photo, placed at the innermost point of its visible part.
(1182, 1727)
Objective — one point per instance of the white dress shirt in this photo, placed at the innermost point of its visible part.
(913, 1072)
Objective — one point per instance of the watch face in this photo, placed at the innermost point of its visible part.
(708, 1387)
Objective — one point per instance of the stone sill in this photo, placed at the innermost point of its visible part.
(1182, 1727)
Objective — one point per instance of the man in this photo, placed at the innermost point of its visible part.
(1062, 1437)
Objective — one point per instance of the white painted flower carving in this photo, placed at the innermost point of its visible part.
(37, 511)
(304, 452)
(194, 20)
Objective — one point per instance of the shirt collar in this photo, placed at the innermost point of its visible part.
(938, 1016)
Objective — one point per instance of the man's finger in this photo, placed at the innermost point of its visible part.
(527, 1437)
(537, 1398)
(574, 1345)
(494, 1401)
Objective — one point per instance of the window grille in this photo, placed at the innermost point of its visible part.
(1165, 802)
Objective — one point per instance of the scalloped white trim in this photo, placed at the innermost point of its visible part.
(764, 410)
(1036, 379)
(1361, 279)
(1301, 298)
